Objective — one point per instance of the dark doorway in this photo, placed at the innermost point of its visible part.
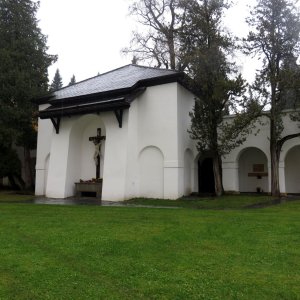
(206, 176)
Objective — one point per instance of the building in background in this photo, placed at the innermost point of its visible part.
(128, 128)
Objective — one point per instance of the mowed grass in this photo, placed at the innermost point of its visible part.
(89, 252)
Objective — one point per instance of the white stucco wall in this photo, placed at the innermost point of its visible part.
(151, 173)
(152, 124)
(152, 154)
(58, 162)
(45, 131)
(115, 159)
(187, 152)
(159, 119)
(87, 162)
(188, 173)
(143, 158)
(258, 139)
(292, 170)
(80, 163)
(71, 156)
(247, 159)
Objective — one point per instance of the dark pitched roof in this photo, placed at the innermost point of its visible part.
(111, 91)
(122, 78)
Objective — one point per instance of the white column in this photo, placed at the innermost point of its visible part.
(115, 158)
(173, 179)
(230, 176)
(57, 176)
(45, 133)
(40, 180)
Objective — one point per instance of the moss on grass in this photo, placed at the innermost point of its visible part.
(224, 202)
(12, 196)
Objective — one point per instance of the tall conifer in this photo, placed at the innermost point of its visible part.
(23, 76)
(56, 82)
(219, 88)
(275, 39)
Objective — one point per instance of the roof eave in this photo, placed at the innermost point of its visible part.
(46, 114)
(45, 99)
(90, 97)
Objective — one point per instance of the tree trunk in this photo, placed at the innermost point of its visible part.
(29, 181)
(13, 183)
(275, 189)
(217, 175)
(274, 134)
(16, 181)
(172, 52)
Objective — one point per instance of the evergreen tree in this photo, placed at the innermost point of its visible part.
(218, 87)
(23, 76)
(73, 80)
(187, 35)
(56, 82)
(275, 39)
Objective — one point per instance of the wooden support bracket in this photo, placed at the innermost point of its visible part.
(56, 124)
(119, 116)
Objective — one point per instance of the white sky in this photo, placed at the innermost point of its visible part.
(88, 35)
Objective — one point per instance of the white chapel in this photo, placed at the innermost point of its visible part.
(129, 129)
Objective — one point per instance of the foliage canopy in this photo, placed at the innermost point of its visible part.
(56, 82)
(23, 75)
(274, 38)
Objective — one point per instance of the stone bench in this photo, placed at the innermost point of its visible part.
(89, 187)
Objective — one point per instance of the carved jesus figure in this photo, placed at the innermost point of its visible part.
(97, 151)
(97, 140)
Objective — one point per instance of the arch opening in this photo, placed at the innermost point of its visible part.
(292, 171)
(253, 171)
(206, 179)
(81, 162)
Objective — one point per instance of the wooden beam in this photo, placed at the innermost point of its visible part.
(56, 124)
(119, 116)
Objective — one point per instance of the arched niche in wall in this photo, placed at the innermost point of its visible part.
(253, 171)
(151, 173)
(88, 164)
(81, 164)
(188, 168)
(292, 170)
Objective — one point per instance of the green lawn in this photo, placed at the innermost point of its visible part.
(90, 252)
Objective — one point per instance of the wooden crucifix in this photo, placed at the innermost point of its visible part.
(97, 140)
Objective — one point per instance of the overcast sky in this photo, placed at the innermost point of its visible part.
(88, 35)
